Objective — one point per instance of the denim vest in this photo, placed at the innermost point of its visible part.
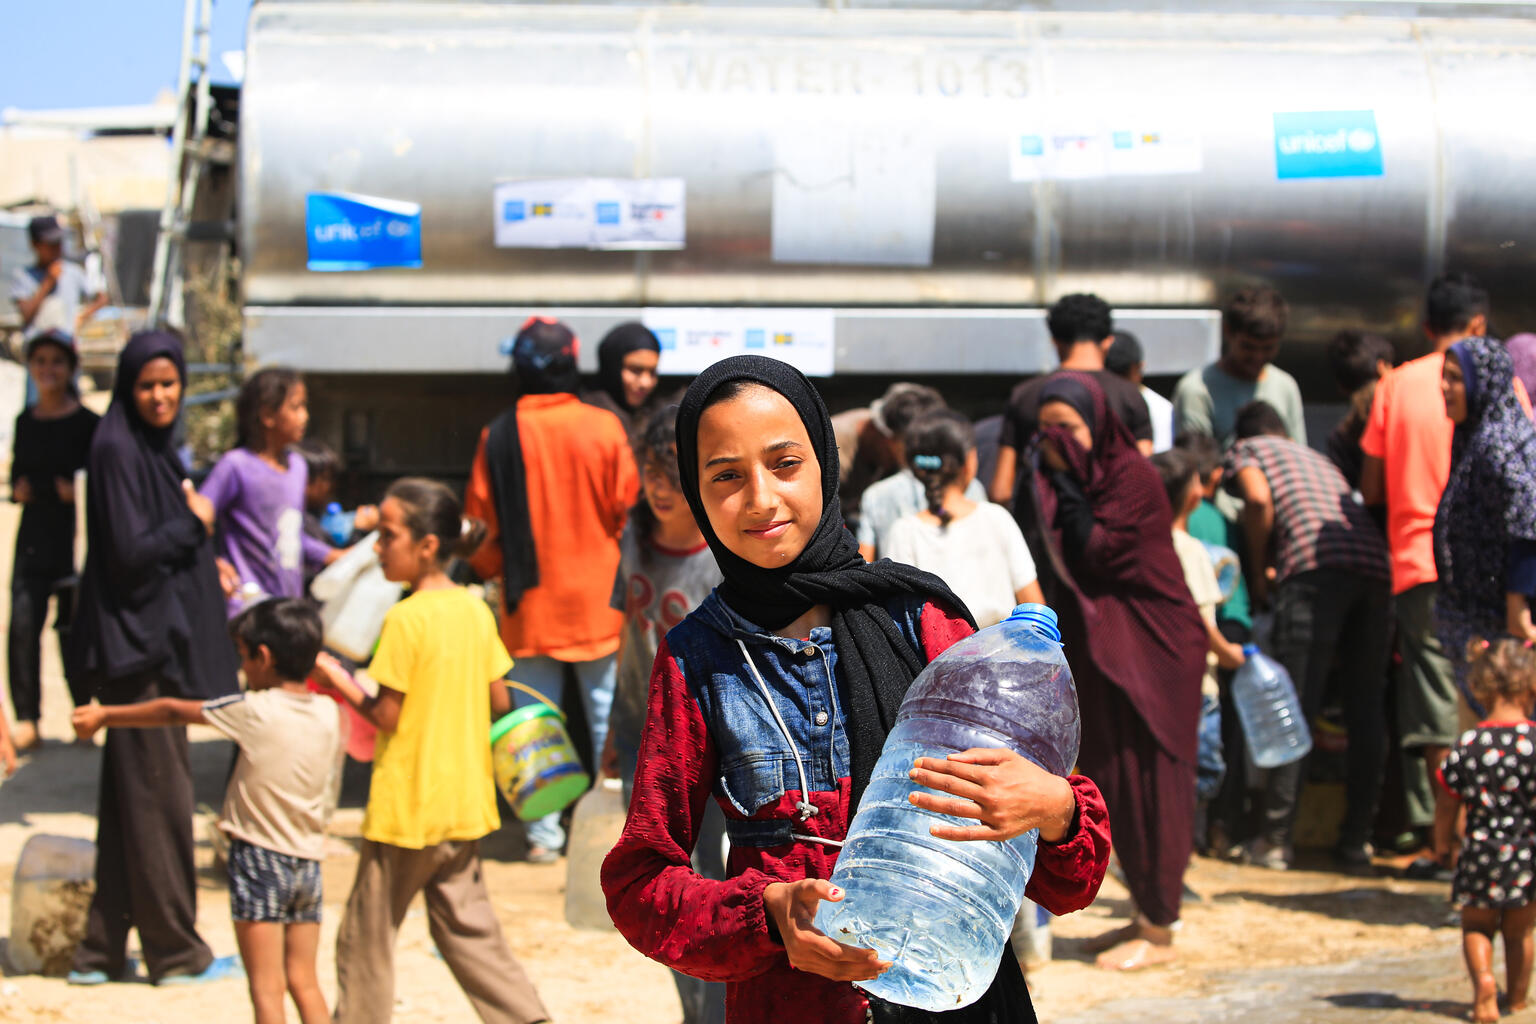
(759, 721)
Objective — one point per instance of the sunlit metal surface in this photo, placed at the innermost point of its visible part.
(435, 103)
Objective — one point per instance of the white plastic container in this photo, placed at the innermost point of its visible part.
(50, 897)
(355, 597)
(595, 827)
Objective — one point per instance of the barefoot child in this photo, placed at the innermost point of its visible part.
(1489, 773)
(773, 698)
(439, 666)
(257, 490)
(273, 808)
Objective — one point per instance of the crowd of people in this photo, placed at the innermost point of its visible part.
(739, 588)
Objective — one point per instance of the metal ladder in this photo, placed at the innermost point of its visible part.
(189, 155)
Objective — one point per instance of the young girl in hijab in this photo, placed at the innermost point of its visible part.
(150, 624)
(774, 697)
(257, 491)
(553, 480)
(1095, 512)
(1485, 527)
(1491, 773)
(627, 359)
(974, 546)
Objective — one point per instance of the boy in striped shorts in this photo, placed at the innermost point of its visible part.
(274, 808)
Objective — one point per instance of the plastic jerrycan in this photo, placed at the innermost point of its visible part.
(941, 910)
(1267, 705)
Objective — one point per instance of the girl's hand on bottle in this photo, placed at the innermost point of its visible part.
(1008, 794)
(791, 908)
(366, 518)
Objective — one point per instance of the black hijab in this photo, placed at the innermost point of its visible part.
(616, 344)
(876, 661)
(544, 363)
(149, 593)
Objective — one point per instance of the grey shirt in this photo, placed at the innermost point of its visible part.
(59, 310)
(655, 588)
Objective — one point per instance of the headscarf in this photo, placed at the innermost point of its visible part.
(875, 660)
(149, 594)
(1522, 351)
(1490, 498)
(1126, 611)
(544, 363)
(616, 344)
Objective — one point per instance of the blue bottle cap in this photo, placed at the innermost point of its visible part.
(333, 508)
(1249, 650)
(1039, 616)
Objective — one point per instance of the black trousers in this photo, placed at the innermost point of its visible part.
(31, 587)
(145, 877)
(1331, 619)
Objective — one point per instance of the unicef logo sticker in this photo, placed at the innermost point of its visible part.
(1361, 141)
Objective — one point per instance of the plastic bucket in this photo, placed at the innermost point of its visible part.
(536, 766)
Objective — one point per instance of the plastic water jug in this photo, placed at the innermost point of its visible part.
(1271, 714)
(337, 524)
(595, 827)
(941, 910)
(51, 895)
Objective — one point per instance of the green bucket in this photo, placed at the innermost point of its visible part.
(536, 766)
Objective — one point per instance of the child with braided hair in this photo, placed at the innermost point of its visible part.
(975, 547)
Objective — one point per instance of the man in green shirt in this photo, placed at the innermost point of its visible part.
(1206, 400)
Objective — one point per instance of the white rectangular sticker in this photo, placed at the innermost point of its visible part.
(694, 338)
(861, 194)
(590, 213)
(1104, 149)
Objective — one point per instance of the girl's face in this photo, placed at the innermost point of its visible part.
(157, 393)
(51, 368)
(666, 501)
(403, 557)
(1453, 385)
(637, 374)
(287, 424)
(759, 478)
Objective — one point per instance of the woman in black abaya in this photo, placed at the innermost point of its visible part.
(150, 624)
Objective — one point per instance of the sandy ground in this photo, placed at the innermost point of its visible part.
(1247, 918)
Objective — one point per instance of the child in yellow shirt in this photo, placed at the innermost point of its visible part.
(439, 664)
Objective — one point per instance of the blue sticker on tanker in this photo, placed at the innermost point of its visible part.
(1031, 145)
(354, 232)
(1327, 144)
(1124, 140)
(514, 210)
(666, 337)
(607, 213)
(755, 337)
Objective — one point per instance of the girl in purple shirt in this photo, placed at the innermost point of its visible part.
(257, 491)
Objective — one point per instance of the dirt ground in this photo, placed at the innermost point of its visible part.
(1246, 917)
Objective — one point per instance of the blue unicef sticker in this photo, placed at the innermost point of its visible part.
(1327, 144)
(1031, 145)
(607, 213)
(755, 337)
(514, 210)
(666, 337)
(353, 232)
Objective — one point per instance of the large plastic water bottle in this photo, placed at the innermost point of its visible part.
(337, 524)
(1271, 714)
(941, 910)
